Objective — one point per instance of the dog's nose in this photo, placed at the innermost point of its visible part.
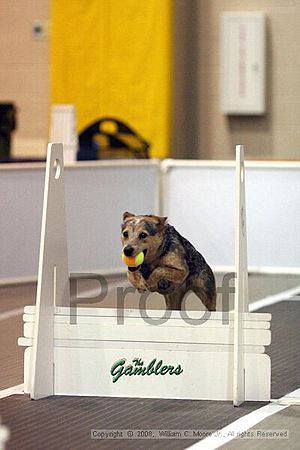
(128, 250)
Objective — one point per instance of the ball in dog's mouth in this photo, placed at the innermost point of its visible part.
(134, 261)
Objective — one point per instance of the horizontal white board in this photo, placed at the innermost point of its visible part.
(142, 333)
(87, 371)
(75, 343)
(153, 313)
(133, 321)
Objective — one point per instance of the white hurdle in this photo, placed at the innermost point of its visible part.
(53, 275)
(221, 357)
(241, 285)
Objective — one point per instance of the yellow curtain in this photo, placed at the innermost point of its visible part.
(113, 58)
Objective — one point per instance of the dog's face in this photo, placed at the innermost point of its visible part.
(142, 234)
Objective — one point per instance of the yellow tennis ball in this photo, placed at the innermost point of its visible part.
(139, 259)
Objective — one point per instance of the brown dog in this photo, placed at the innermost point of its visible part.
(172, 266)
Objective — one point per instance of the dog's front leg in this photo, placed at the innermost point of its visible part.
(165, 280)
(137, 280)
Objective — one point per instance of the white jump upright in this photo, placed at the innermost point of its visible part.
(216, 356)
(241, 284)
(53, 278)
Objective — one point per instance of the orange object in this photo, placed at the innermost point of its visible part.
(133, 261)
(129, 260)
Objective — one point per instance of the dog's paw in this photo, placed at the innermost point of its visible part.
(142, 290)
(164, 286)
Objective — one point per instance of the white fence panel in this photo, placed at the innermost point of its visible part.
(199, 201)
(96, 196)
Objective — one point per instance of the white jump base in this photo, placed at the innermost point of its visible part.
(216, 359)
(85, 353)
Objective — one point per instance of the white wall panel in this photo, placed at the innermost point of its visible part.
(96, 196)
(199, 200)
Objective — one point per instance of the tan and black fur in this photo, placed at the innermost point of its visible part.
(172, 266)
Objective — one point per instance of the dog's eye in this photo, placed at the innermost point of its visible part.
(125, 234)
(143, 235)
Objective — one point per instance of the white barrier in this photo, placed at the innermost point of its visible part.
(220, 358)
(199, 201)
(93, 190)
(107, 188)
(241, 286)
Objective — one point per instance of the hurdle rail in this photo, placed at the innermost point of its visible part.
(218, 356)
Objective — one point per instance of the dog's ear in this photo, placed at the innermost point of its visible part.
(127, 215)
(161, 222)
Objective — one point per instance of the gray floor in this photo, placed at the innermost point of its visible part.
(286, 420)
(284, 350)
(65, 422)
